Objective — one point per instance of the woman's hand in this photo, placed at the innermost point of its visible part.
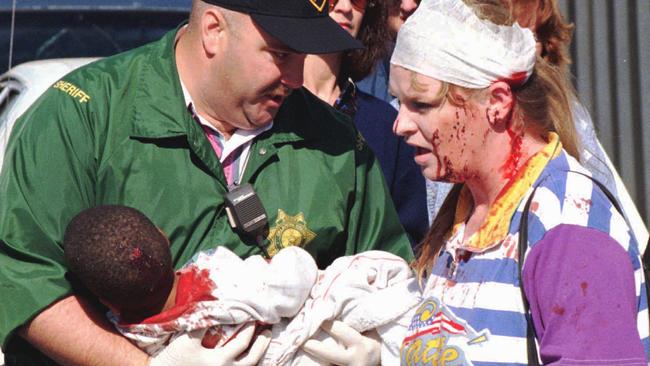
(187, 350)
(352, 349)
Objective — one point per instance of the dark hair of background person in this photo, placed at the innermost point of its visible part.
(374, 35)
(118, 254)
(392, 4)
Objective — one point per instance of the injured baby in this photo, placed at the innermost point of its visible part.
(120, 256)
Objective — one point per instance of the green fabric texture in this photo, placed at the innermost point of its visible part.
(132, 142)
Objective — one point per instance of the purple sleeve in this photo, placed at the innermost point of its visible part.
(580, 286)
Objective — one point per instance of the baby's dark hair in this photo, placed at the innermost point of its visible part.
(120, 256)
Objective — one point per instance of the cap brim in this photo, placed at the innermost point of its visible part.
(308, 35)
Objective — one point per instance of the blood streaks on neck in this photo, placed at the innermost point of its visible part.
(511, 166)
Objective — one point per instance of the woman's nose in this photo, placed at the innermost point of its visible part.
(403, 126)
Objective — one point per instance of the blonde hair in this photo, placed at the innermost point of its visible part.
(542, 104)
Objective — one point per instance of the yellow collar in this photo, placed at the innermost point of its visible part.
(495, 228)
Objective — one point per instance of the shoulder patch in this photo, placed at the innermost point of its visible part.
(72, 90)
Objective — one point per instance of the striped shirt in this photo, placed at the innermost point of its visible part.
(582, 276)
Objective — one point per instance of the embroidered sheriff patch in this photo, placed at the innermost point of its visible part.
(72, 90)
(289, 231)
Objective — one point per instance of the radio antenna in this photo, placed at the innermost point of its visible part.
(11, 34)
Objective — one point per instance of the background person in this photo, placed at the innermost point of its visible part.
(167, 128)
(398, 12)
(376, 83)
(332, 78)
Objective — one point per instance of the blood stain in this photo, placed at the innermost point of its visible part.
(136, 254)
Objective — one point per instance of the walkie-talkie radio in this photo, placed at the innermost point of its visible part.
(246, 213)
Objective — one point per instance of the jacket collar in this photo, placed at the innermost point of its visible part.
(160, 110)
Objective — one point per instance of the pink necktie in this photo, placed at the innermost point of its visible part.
(228, 166)
(228, 162)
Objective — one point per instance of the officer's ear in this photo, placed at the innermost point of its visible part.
(213, 29)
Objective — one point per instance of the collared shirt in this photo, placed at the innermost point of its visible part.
(233, 152)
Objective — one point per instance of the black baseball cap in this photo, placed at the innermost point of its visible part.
(302, 25)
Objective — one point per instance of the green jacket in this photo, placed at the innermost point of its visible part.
(118, 132)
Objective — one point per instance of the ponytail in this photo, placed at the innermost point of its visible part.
(544, 104)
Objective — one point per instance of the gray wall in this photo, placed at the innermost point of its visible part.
(611, 64)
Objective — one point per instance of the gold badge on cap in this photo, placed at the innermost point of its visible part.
(289, 231)
(318, 6)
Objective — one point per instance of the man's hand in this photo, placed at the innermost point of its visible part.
(353, 349)
(186, 350)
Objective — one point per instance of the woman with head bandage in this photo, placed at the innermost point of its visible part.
(484, 112)
(528, 260)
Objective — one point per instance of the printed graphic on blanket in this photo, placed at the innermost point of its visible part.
(434, 336)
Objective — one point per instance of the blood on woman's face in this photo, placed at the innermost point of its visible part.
(448, 139)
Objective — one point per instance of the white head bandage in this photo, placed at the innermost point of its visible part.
(445, 40)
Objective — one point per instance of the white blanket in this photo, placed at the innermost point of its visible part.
(245, 290)
(371, 290)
